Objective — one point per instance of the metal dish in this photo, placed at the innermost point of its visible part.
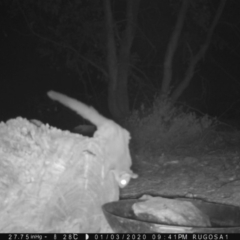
(223, 218)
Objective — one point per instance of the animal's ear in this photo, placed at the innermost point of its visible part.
(85, 130)
(36, 122)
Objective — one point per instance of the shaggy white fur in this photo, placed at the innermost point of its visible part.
(115, 138)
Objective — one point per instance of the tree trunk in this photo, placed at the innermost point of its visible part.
(118, 66)
(111, 59)
(172, 46)
(124, 58)
(195, 59)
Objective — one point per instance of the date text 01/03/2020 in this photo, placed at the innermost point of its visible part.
(163, 236)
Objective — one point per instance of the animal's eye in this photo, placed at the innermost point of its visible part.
(124, 179)
(123, 182)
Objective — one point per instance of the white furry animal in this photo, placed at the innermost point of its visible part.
(116, 138)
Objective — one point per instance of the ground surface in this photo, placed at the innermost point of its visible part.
(208, 169)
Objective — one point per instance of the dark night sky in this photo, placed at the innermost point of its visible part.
(24, 75)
